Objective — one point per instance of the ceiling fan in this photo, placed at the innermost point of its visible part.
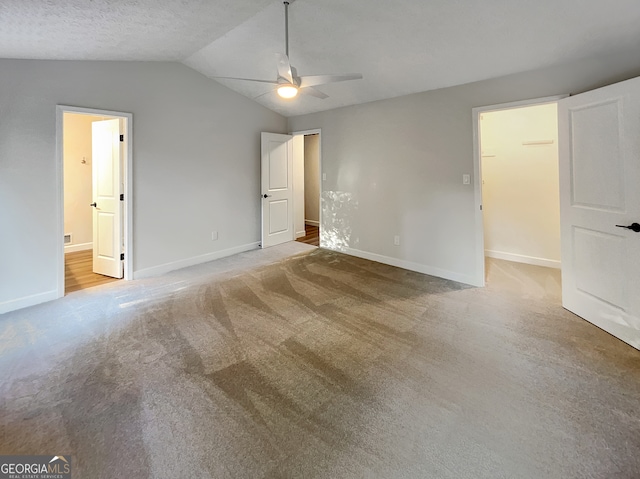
(288, 81)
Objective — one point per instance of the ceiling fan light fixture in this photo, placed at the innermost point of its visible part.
(287, 91)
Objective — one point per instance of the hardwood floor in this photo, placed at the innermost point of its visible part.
(312, 236)
(78, 272)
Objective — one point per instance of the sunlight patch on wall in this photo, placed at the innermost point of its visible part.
(338, 210)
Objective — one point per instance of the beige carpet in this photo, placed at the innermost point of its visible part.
(320, 366)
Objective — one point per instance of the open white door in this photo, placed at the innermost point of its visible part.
(599, 145)
(107, 215)
(277, 189)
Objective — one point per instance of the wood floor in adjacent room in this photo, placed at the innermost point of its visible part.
(78, 272)
(315, 364)
(312, 235)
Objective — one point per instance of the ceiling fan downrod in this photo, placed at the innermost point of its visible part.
(286, 28)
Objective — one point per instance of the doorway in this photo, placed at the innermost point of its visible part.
(290, 187)
(94, 165)
(520, 184)
(517, 185)
(308, 187)
(599, 207)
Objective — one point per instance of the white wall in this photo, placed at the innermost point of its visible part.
(78, 219)
(520, 189)
(196, 164)
(394, 167)
(312, 178)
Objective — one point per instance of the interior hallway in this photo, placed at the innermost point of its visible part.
(322, 365)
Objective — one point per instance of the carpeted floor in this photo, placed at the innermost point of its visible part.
(320, 365)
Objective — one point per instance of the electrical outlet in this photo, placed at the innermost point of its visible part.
(396, 240)
(466, 179)
(324, 177)
(214, 235)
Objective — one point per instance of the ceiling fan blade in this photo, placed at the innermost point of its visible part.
(246, 79)
(313, 92)
(284, 67)
(265, 93)
(314, 80)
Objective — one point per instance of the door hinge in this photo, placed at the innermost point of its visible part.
(121, 256)
(121, 137)
(480, 207)
(121, 196)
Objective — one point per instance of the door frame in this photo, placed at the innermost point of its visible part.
(477, 172)
(315, 131)
(127, 170)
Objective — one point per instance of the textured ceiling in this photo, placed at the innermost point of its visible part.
(117, 29)
(400, 46)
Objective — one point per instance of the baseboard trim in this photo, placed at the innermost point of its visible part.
(300, 234)
(520, 258)
(312, 223)
(411, 266)
(72, 248)
(195, 260)
(27, 301)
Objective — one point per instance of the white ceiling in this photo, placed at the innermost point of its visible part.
(400, 46)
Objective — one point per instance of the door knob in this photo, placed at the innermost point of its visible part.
(633, 227)
(266, 196)
(94, 204)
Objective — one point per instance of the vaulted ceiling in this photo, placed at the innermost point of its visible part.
(400, 46)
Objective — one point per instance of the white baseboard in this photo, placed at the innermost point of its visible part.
(27, 301)
(72, 248)
(312, 223)
(300, 234)
(185, 263)
(520, 258)
(411, 266)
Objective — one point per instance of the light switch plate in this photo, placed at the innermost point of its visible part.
(466, 179)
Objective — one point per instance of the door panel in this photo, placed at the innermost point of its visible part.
(103, 243)
(107, 214)
(277, 185)
(278, 166)
(597, 255)
(596, 160)
(599, 147)
(279, 214)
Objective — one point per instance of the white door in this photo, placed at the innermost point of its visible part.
(277, 189)
(599, 144)
(107, 215)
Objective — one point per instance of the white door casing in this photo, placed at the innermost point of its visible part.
(107, 210)
(277, 189)
(599, 146)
